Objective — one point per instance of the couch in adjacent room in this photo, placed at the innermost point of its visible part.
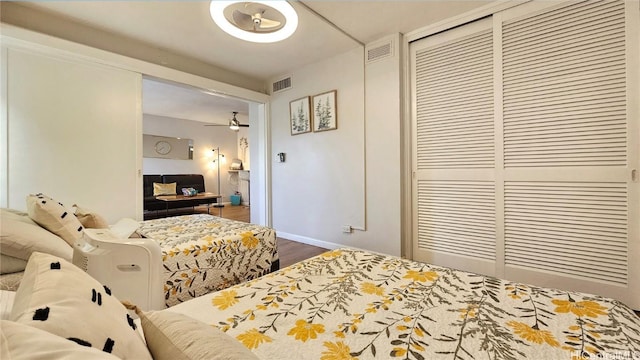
(196, 181)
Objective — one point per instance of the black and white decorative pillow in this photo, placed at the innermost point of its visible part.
(58, 297)
(26, 342)
(55, 217)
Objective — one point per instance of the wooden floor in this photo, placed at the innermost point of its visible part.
(290, 252)
(239, 213)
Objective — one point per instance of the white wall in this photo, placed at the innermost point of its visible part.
(322, 184)
(92, 171)
(204, 139)
(383, 143)
(72, 133)
(260, 171)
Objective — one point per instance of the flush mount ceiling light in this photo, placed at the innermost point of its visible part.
(255, 21)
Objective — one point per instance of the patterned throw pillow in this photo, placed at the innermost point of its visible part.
(54, 217)
(26, 342)
(60, 298)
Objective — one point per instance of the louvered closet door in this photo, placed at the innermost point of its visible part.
(570, 146)
(454, 162)
(526, 146)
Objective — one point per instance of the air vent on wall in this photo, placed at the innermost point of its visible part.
(378, 51)
(281, 85)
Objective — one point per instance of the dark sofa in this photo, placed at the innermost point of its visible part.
(195, 181)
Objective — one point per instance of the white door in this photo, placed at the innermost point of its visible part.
(555, 203)
(454, 158)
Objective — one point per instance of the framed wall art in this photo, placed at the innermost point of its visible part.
(325, 111)
(300, 115)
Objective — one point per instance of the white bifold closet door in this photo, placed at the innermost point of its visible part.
(526, 147)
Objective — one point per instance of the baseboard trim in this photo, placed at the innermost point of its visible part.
(316, 242)
(309, 241)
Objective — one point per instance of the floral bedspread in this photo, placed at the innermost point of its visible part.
(10, 282)
(204, 253)
(348, 304)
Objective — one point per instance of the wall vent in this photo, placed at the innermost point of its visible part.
(378, 51)
(281, 85)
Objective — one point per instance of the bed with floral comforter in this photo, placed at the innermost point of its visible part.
(348, 304)
(204, 253)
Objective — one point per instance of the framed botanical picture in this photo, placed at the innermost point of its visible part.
(325, 111)
(300, 115)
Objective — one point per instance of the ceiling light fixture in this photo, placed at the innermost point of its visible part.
(255, 21)
(234, 124)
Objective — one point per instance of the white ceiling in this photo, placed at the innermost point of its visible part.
(183, 102)
(186, 28)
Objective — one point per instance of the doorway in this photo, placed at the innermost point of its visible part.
(183, 111)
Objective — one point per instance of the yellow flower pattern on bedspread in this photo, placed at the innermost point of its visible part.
(349, 304)
(204, 253)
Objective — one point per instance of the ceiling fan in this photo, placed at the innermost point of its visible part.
(261, 21)
(255, 17)
(234, 124)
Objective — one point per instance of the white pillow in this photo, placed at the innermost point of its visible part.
(10, 264)
(54, 217)
(18, 215)
(19, 341)
(19, 239)
(58, 297)
(6, 303)
(172, 335)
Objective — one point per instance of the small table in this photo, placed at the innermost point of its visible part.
(181, 198)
